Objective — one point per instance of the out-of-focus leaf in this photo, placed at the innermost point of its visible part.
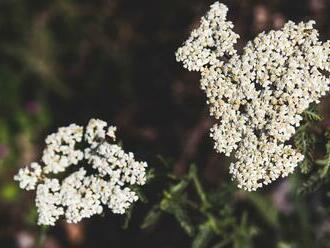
(4, 132)
(181, 215)
(152, 217)
(166, 162)
(40, 59)
(128, 217)
(150, 174)
(32, 216)
(265, 207)
(178, 188)
(312, 184)
(244, 234)
(140, 194)
(9, 192)
(204, 236)
(284, 245)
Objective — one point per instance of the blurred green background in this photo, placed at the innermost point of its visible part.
(67, 61)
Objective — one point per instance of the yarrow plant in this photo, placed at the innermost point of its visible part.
(257, 96)
(81, 172)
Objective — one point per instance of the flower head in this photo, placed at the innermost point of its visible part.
(257, 96)
(103, 174)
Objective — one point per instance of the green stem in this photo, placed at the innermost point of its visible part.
(42, 237)
(199, 188)
(203, 197)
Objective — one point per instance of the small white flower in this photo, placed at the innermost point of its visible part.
(95, 131)
(111, 133)
(29, 177)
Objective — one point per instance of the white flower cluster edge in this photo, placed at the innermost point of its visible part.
(105, 179)
(257, 96)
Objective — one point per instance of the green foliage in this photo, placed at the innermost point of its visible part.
(320, 176)
(152, 217)
(31, 217)
(312, 114)
(9, 192)
(265, 208)
(310, 139)
(244, 234)
(23, 118)
(212, 217)
(174, 202)
(192, 207)
(204, 236)
(305, 138)
(305, 141)
(128, 217)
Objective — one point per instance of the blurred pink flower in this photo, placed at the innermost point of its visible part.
(32, 107)
(25, 240)
(278, 20)
(280, 197)
(317, 6)
(261, 18)
(4, 151)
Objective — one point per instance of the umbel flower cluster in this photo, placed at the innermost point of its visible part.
(257, 96)
(81, 172)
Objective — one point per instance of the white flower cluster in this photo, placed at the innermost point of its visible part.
(104, 180)
(257, 96)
